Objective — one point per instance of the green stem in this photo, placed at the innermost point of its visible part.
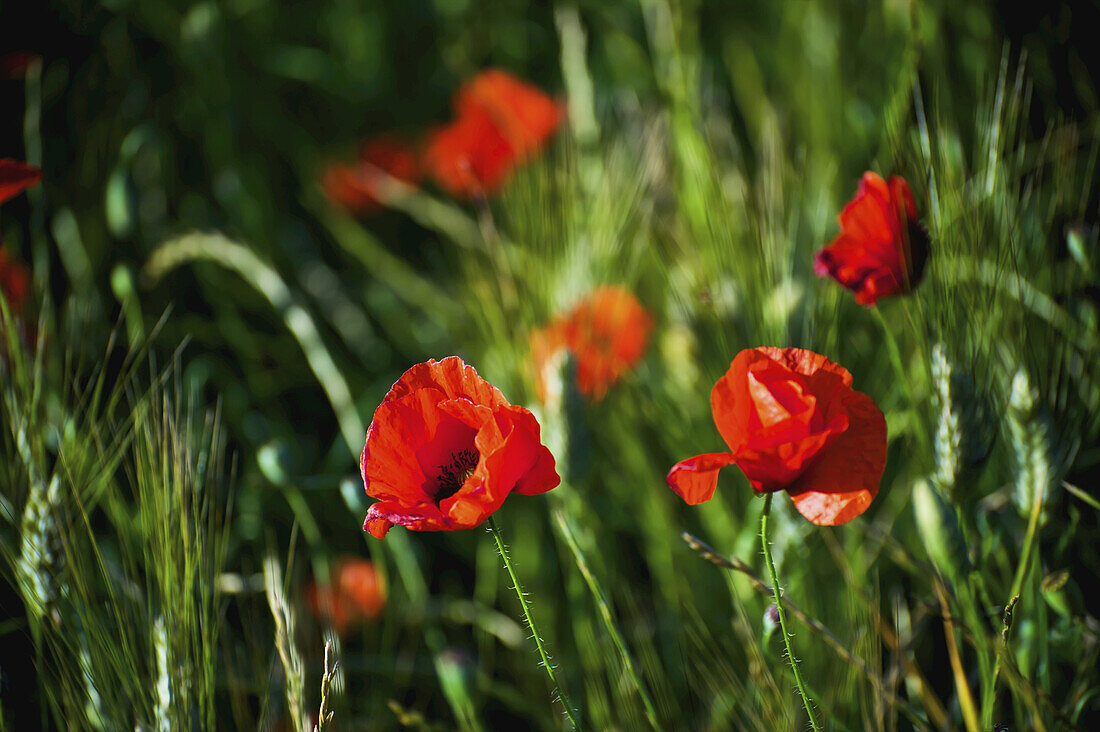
(776, 592)
(543, 653)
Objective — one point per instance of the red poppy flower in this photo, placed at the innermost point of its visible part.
(15, 177)
(499, 122)
(607, 333)
(446, 448)
(355, 186)
(524, 114)
(793, 422)
(356, 593)
(15, 280)
(881, 249)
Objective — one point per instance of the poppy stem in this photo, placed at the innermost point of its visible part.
(543, 653)
(776, 592)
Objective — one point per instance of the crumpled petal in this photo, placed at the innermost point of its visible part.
(844, 479)
(881, 249)
(695, 479)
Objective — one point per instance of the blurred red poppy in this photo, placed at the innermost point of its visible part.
(607, 333)
(356, 593)
(354, 186)
(446, 448)
(881, 250)
(15, 280)
(15, 177)
(499, 122)
(793, 422)
(525, 115)
(14, 65)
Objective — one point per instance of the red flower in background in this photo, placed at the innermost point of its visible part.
(14, 65)
(15, 177)
(607, 333)
(525, 116)
(355, 186)
(445, 448)
(15, 281)
(793, 422)
(499, 122)
(356, 593)
(881, 249)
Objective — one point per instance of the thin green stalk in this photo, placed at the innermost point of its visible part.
(936, 716)
(265, 280)
(543, 653)
(605, 615)
(1029, 543)
(899, 368)
(776, 592)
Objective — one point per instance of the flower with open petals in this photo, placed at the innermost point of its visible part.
(607, 333)
(881, 249)
(793, 422)
(445, 448)
(355, 186)
(15, 177)
(499, 122)
(356, 593)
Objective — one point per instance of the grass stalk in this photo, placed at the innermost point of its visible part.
(265, 280)
(962, 687)
(605, 615)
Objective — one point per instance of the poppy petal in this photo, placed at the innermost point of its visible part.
(425, 516)
(15, 177)
(525, 114)
(695, 479)
(389, 468)
(841, 483)
(450, 376)
(541, 474)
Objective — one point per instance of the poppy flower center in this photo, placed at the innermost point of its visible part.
(452, 475)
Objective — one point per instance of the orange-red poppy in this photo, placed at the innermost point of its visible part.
(607, 334)
(15, 177)
(354, 186)
(499, 122)
(882, 248)
(793, 422)
(355, 593)
(445, 448)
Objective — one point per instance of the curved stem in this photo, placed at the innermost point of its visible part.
(605, 615)
(543, 653)
(806, 701)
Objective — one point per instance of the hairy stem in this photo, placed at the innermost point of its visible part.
(544, 655)
(776, 592)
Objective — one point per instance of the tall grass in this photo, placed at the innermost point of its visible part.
(113, 534)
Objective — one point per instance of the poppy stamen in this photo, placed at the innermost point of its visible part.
(452, 476)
